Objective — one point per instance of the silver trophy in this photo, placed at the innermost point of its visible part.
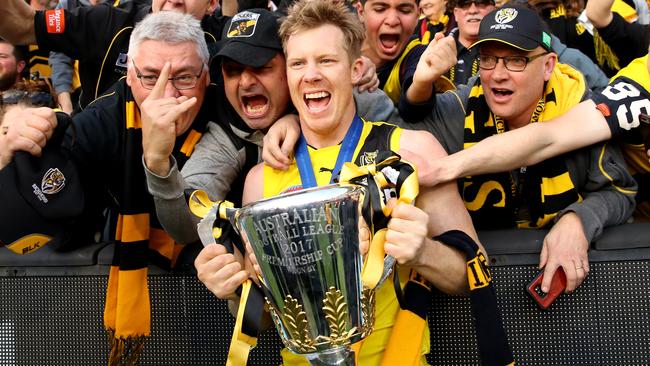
(307, 246)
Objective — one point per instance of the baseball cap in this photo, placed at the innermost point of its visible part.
(251, 38)
(515, 26)
(42, 196)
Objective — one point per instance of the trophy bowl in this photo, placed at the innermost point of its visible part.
(307, 246)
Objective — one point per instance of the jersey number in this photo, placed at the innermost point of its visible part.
(627, 118)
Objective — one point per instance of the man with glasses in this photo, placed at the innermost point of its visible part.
(520, 83)
(157, 111)
(98, 36)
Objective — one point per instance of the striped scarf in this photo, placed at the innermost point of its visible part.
(139, 240)
(498, 200)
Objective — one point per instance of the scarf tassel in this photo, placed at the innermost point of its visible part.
(124, 351)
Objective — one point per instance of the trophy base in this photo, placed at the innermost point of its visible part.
(342, 356)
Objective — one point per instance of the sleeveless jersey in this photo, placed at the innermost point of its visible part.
(374, 137)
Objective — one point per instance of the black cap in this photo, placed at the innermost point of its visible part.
(517, 27)
(251, 37)
(42, 195)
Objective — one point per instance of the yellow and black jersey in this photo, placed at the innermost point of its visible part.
(374, 137)
(625, 103)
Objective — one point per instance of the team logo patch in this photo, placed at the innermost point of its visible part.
(53, 181)
(243, 25)
(55, 21)
(546, 39)
(503, 17)
(369, 157)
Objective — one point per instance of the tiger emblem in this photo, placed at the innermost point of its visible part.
(53, 181)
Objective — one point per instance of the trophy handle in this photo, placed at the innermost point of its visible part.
(211, 212)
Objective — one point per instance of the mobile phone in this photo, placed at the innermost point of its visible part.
(558, 284)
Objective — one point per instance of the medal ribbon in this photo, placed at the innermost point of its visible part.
(348, 146)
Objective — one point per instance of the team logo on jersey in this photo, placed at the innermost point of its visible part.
(503, 17)
(55, 21)
(369, 157)
(604, 109)
(243, 24)
(53, 181)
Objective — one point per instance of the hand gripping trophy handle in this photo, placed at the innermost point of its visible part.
(318, 288)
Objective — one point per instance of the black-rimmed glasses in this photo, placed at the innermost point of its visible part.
(181, 82)
(512, 63)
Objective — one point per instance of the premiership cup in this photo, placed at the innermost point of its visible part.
(307, 246)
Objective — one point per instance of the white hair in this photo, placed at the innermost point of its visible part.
(169, 27)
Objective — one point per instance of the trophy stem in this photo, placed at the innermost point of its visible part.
(342, 356)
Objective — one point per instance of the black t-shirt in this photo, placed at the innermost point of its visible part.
(98, 36)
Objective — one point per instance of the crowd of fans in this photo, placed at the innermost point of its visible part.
(166, 97)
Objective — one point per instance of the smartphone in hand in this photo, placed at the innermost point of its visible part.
(544, 300)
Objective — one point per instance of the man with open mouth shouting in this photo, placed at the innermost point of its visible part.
(392, 46)
(521, 83)
(252, 95)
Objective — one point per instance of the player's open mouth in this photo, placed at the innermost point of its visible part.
(317, 101)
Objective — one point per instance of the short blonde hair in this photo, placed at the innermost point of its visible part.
(310, 14)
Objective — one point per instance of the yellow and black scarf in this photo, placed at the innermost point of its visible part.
(498, 200)
(139, 240)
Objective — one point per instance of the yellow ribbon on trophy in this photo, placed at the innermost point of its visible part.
(251, 304)
(390, 171)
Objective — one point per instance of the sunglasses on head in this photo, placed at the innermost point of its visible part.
(468, 3)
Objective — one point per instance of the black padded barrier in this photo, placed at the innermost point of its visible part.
(51, 310)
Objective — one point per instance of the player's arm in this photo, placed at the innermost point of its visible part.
(440, 264)
(17, 25)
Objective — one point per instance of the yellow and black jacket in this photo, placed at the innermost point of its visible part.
(593, 182)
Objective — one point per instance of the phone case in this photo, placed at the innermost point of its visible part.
(544, 300)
